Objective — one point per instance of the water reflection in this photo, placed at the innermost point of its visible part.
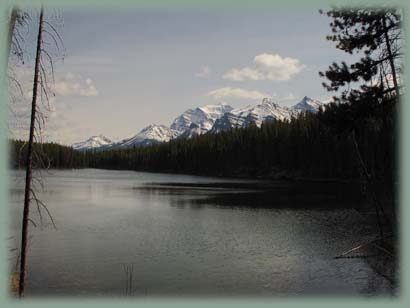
(258, 195)
(196, 236)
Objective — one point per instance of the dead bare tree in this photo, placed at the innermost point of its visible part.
(40, 104)
(29, 162)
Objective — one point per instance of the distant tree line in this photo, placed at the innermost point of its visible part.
(53, 155)
(307, 146)
(304, 147)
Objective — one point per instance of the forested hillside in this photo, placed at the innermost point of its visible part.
(313, 145)
(310, 146)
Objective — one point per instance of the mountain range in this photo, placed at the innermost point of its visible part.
(201, 120)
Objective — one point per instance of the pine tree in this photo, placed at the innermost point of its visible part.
(366, 86)
(376, 36)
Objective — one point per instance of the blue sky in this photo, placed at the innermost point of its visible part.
(124, 70)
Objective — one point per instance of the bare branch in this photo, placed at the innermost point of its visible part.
(55, 31)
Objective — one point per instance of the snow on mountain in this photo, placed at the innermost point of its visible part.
(191, 123)
(267, 110)
(92, 143)
(209, 118)
(200, 120)
(307, 105)
(149, 135)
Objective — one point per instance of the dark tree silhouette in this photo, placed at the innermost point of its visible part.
(35, 157)
(369, 86)
(29, 161)
(376, 35)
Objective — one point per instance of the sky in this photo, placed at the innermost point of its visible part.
(126, 69)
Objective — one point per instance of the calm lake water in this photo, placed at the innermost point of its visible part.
(190, 235)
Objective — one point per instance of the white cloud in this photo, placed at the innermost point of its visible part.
(237, 93)
(74, 85)
(243, 74)
(204, 72)
(267, 67)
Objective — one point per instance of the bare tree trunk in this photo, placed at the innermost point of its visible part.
(27, 192)
(391, 61)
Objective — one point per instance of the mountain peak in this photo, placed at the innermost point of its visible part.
(199, 120)
(92, 143)
(151, 134)
(307, 104)
(153, 127)
(269, 101)
(266, 110)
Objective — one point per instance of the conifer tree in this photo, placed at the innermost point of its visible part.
(375, 35)
(367, 87)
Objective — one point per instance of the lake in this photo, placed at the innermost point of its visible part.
(181, 235)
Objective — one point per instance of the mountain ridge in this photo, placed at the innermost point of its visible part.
(212, 118)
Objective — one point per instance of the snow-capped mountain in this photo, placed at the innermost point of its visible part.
(209, 118)
(92, 143)
(200, 120)
(147, 136)
(191, 123)
(307, 105)
(267, 110)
